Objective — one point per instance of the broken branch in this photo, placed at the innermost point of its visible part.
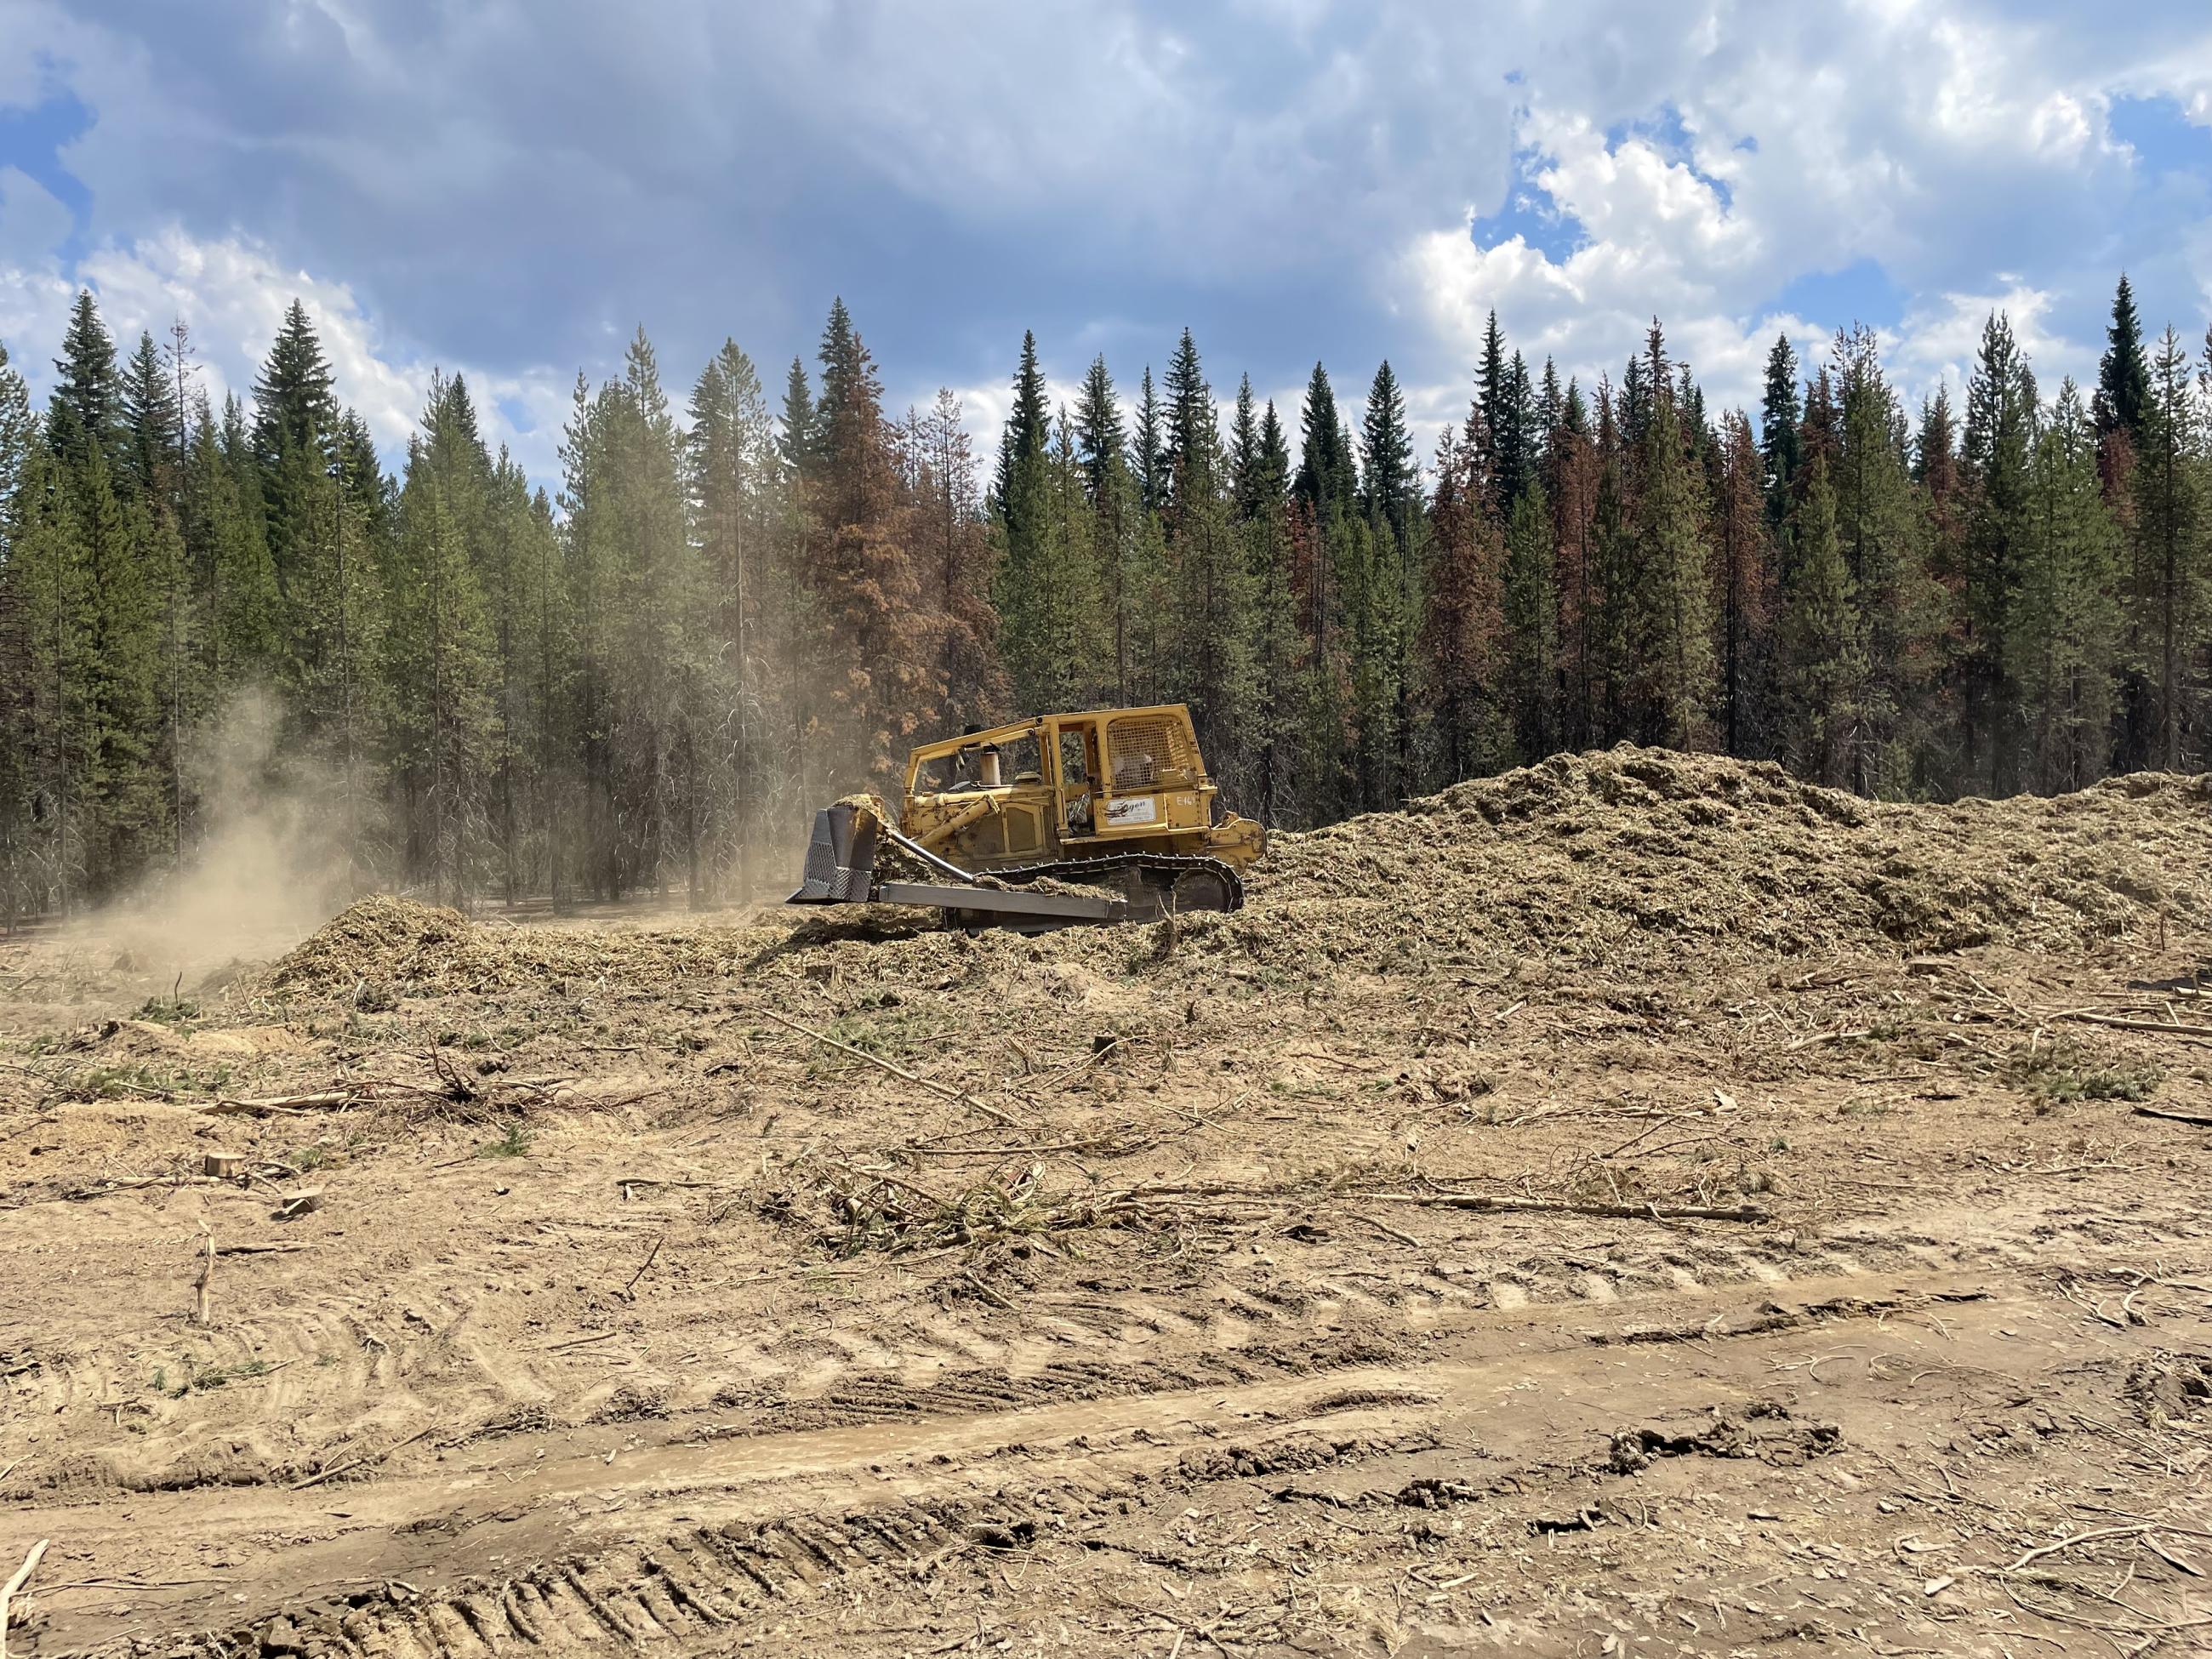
(944, 1088)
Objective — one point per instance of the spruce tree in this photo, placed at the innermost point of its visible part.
(1027, 430)
(1531, 618)
(2165, 609)
(52, 630)
(1820, 666)
(2062, 632)
(2000, 417)
(1245, 459)
(156, 448)
(1883, 526)
(795, 433)
(1099, 435)
(1390, 484)
(1744, 550)
(1462, 623)
(85, 411)
(860, 572)
(1148, 460)
(293, 406)
(1326, 477)
(1264, 499)
(1778, 428)
(1669, 607)
(21, 889)
(2122, 374)
(1572, 488)
(439, 685)
(1047, 588)
(121, 781)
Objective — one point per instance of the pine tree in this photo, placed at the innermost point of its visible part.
(2122, 375)
(1883, 526)
(1048, 596)
(1148, 461)
(1778, 428)
(154, 465)
(1390, 498)
(1572, 488)
(2064, 625)
(85, 410)
(1390, 486)
(863, 580)
(439, 677)
(1615, 557)
(1027, 430)
(1669, 604)
(1819, 667)
(2000, 405)
(1264, 502)
(1531, 616)
(952, 544)
(293, 406)
(1744, 581)
(1100, 438)
(795, 436)
(1327, 478)
(513, 566)
(121, 783)
(1462, 624)
(2164, 617)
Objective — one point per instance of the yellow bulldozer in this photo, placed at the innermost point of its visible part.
(1116, 800)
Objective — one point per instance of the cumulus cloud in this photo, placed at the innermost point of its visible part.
(508, 186)
(233, 293)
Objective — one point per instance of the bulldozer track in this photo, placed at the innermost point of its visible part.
(1107, 866)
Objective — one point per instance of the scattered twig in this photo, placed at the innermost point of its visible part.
(323, 1474)
(1829, 1036)
(944, 1088)
(1387, 1229)
(7, 1590)
(2166, 1028)
(260, 1250)
(2198, 1118)
(200, 1287)
(652, 1256)
(279, 1105)
(1748, 1213)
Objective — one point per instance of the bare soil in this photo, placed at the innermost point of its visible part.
(1640, 1205)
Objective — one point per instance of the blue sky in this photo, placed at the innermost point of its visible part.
(509, 188)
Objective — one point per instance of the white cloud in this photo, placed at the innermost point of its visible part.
(233, 293)
(1302, 168)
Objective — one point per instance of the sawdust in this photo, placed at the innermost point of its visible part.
(1631, 853)
(422, 950)
(1614, 858)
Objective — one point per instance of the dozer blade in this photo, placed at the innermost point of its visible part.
(841, 859)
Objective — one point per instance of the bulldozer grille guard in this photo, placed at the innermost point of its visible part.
(841, 859)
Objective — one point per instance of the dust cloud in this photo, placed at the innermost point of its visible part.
(269, 865)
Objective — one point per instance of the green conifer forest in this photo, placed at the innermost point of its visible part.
(638, 677)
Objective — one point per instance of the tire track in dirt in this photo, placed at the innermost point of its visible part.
(321, 1382)
(552, 1562)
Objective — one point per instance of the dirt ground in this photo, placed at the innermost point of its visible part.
(1637, 1206)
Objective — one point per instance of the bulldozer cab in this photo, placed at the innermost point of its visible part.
(1061, 785)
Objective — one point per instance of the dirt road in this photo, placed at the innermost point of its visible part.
(1320, 1280)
